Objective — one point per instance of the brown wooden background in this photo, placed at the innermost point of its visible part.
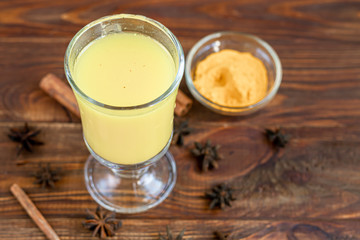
(311, 190)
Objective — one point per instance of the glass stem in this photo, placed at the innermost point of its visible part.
(134, 173)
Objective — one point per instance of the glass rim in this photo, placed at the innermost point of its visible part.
(170, 90)
(200, 97)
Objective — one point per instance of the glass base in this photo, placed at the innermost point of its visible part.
(130, 191)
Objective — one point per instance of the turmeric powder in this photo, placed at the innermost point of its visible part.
(231, 78)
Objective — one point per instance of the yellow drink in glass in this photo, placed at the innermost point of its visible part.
(125, 69)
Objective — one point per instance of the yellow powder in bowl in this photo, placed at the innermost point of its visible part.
(231, 78)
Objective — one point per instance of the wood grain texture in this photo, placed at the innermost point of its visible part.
(309, 190)
(320, 54)
(33, 212)
(70, 229)
(328, 155)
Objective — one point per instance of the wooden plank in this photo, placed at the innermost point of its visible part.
(22, 98)
(326, 95)
(71, 228)
(328, 21)
(320, 54)
(314, 177)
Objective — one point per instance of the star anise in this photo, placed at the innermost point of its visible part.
(46, 176)
(207, 155)
(26, 137)
(181, 129)
(277, 138)
(102, 223)
(220, 196)
(220, 236)
(170, 236)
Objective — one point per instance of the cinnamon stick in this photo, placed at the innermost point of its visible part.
(33, 212)
(183, 104)
(62, 93)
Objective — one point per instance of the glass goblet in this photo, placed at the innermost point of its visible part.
(130, 169)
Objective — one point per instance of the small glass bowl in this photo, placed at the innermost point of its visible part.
(241, 42)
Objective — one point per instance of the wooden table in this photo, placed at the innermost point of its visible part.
(309, 190)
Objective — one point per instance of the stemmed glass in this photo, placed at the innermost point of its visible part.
(121, 184)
